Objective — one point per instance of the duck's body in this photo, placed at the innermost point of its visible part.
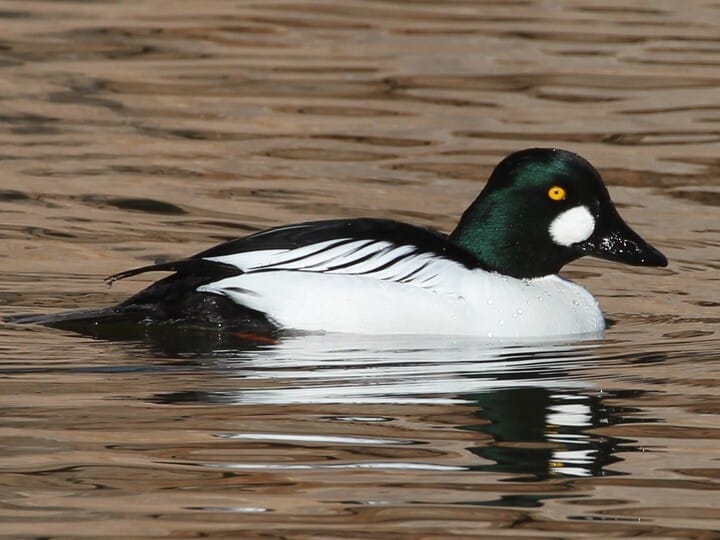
(384, 277)
(495, 276)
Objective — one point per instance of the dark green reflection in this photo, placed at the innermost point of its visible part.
(539, 432)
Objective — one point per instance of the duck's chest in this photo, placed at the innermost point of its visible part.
(550, 306)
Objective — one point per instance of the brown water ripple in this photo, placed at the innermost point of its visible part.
(132, 132)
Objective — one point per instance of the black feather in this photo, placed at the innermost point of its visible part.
(313, 232)
(193, 267)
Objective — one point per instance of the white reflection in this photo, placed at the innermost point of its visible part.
(321, 439)
(338, 368)
(387, 466)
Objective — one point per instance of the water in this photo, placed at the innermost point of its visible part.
(135, 131)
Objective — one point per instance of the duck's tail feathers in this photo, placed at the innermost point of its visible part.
(172, 300)
(196, 267)
(78, 317)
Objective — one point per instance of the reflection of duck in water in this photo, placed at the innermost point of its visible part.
(534, 402)
(542, 432)
(495, 275)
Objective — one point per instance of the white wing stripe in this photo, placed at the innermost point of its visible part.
(248, 259)
(374, 259)
(360, 256)
(383, 256)
(316, 256)
(299, 258)
(392, 263)
(321, 261)
(418, 269)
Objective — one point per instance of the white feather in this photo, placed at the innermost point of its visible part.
(455, 301)
(316, 256)
(571, 226)
(330, 257)
(249, 259)
(381, 258)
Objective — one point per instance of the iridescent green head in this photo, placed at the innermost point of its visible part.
(543, 208)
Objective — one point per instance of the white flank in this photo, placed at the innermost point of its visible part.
(455, 302)
(572, 226)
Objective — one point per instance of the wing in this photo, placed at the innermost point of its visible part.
(377, 248)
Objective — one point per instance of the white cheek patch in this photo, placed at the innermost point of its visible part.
(572, 226)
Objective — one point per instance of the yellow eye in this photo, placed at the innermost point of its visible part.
(557, 193)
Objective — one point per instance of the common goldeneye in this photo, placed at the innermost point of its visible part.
(494, 276)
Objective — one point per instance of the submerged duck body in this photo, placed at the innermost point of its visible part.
(494, 276)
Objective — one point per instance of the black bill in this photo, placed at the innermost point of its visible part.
(614, 240)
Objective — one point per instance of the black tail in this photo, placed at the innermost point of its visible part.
(173, 299)
(193, 266)
(168, 337)
(83, 316)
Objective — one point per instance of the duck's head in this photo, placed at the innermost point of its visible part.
(543, 208)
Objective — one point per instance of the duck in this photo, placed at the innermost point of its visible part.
(496, 275)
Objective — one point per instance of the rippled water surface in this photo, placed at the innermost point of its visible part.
(134, 131)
